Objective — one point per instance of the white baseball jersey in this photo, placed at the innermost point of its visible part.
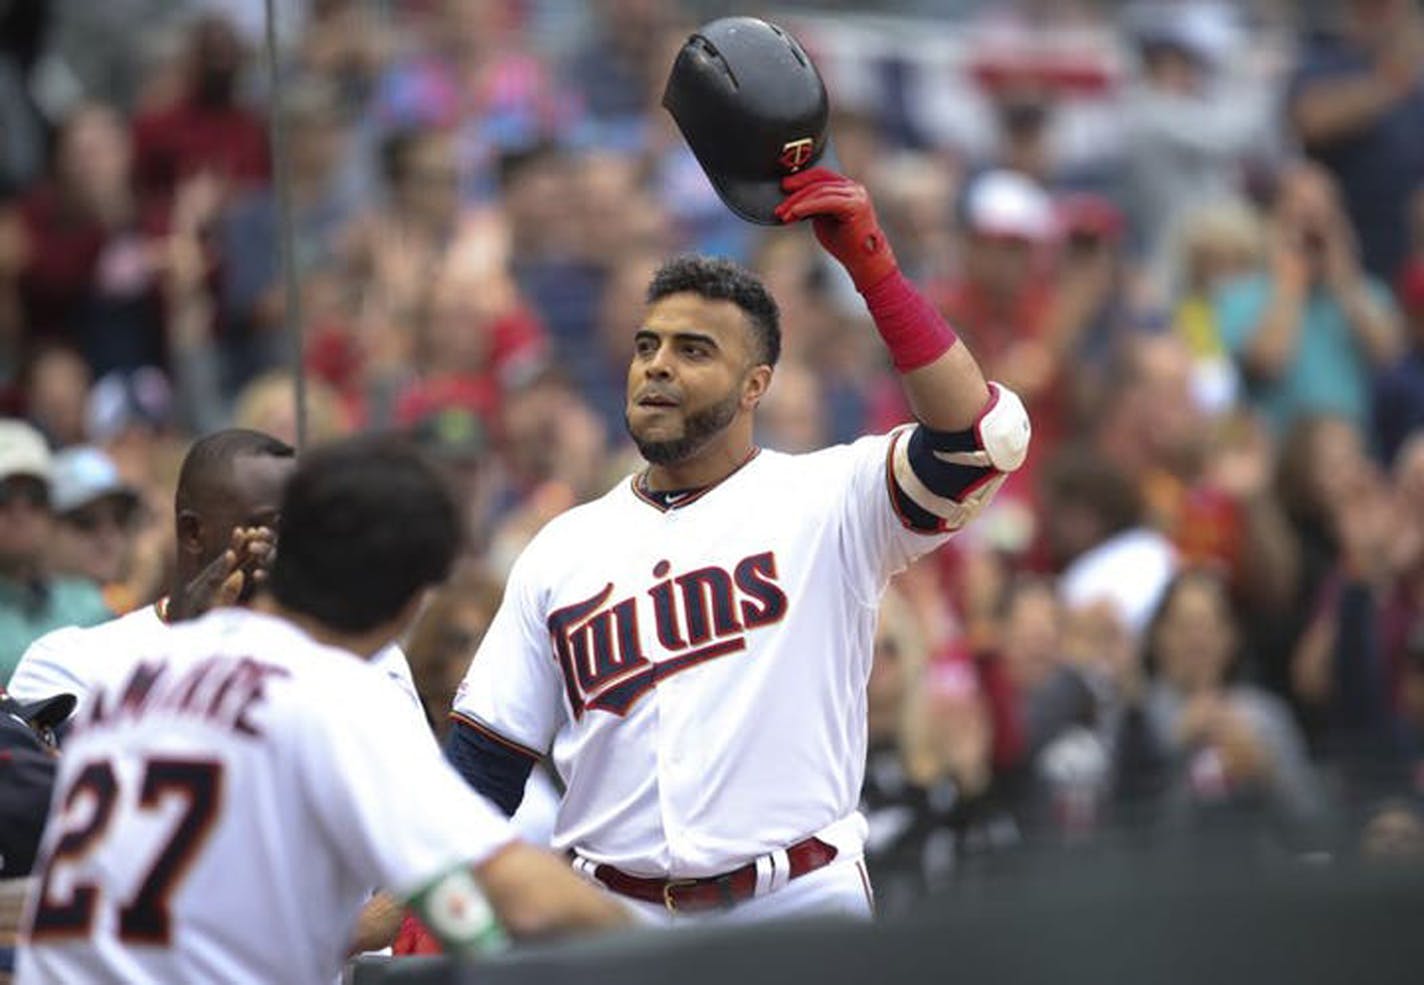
(699, 671)
(69, 660)
(224, 805)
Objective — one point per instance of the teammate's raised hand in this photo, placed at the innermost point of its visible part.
(232, 578)
(844, 222)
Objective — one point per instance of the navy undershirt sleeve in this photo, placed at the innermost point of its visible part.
(492, 768)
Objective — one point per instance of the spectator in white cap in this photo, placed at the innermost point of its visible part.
(1004, 301)
(95, 515)
(32, 600)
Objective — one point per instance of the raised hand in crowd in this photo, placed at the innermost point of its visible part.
(1214, 724)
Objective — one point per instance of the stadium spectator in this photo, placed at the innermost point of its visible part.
(794, 418)
(1021, 312)
(393, 250)
(1399, 393)
(1394, 834)
(1215, 244)
(926, 791)
(268, 404)
(1357, 104)
(56, 388)
(89, 277)
(445, 636)
(1310, 330)
(919, 191)
(1044, 707)
(95, 522)
(1313, 476)
(473, 70)
(1096, 533)
(1187, 142)
(32, 600)
(1226, 748)
(205, 129)
(476, 339)
(23, 28)
(251, 296)
(1205, 484)
(344, 45)
(616, 68)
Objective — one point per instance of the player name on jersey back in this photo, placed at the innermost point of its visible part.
(223, 691)
(226, 805)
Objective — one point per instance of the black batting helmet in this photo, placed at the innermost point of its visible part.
(752, 107)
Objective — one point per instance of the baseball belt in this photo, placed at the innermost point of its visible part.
(711, 892)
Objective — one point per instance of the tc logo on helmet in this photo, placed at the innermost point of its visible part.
(795, 153)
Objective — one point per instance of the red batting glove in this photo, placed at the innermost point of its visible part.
(844, 221)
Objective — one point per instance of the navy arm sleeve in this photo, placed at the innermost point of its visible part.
(493, 768)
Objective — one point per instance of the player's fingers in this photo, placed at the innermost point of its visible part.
(811, 176)
(230, 590)
(221, 566)
(817, 200)
(799, 205)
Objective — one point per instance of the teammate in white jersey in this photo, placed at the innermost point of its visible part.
(224, 803)
(694, 647)
(225, 507)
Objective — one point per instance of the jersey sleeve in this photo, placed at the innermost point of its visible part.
(392, 663)
(51, 665)
(513, 691)
(874, 539)
(382, 792)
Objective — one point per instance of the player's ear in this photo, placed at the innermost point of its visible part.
(754, 385)
(189, 528)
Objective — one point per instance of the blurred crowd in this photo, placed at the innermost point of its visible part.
(1190, 234)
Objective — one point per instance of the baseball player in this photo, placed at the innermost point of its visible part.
(224, 802)
(694, 647)
(226, 505)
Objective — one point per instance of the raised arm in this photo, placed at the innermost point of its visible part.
(971, 432)
(940, 376)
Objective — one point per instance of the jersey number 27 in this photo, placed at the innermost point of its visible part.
(144, 919)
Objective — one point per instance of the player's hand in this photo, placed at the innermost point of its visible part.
(232, 578)
(844, 222)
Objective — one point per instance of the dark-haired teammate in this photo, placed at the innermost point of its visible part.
(694, 646)
(224, 513)
(225, 801)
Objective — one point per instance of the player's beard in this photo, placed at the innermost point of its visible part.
(698, 429)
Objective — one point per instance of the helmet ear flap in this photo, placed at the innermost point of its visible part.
(752, 107)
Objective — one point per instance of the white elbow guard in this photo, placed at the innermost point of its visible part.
(1003, 429)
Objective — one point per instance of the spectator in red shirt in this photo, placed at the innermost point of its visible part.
(1206, 484)
(205, 129)
(90, 273)
(1002, 302)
